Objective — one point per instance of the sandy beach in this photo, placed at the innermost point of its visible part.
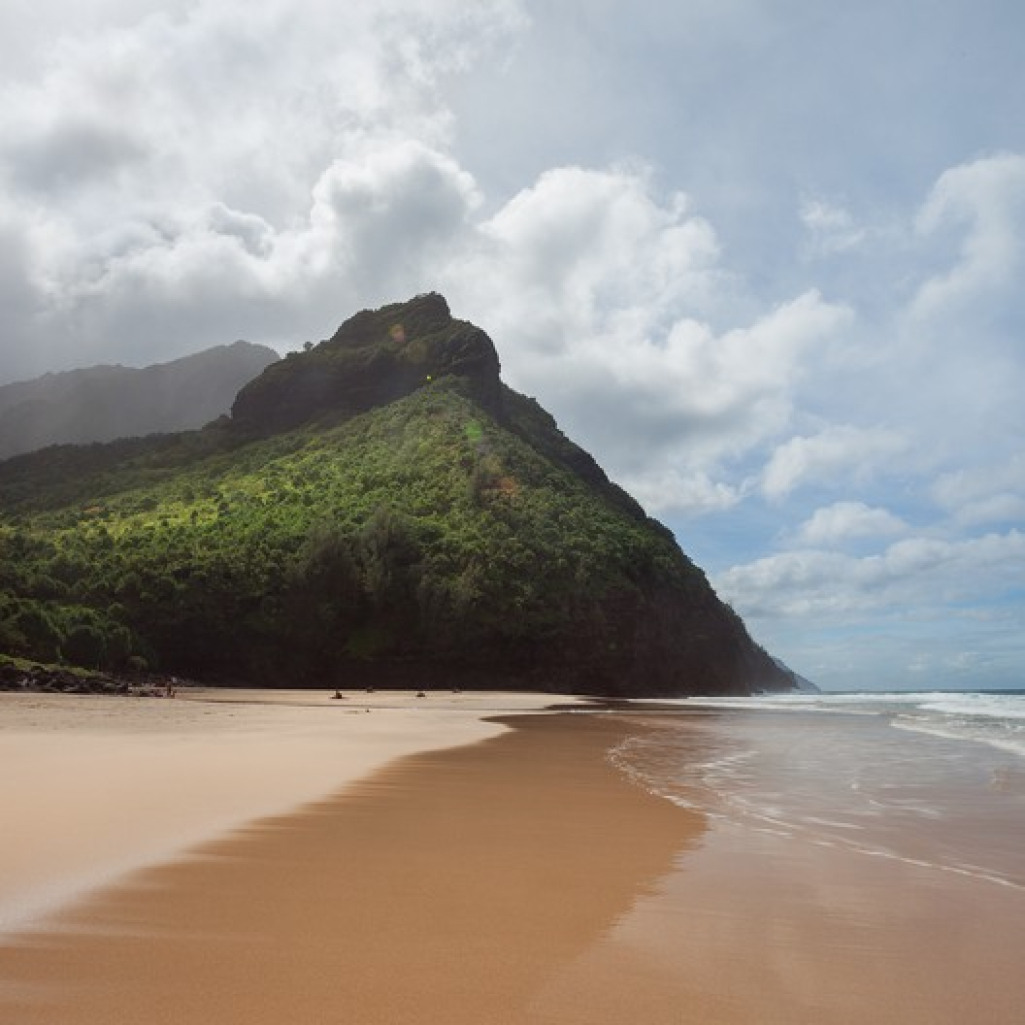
(444, 887)
(95, 787)
(520, 877)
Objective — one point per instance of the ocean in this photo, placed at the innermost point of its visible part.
(933, 780)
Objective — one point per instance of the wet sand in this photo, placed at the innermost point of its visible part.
(755, 930)
(523, 879)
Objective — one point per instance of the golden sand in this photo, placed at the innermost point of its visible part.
(522, 879)
(447, 888)
(94, 787)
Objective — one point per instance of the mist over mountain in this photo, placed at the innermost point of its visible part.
(106, 402)
(380, 510)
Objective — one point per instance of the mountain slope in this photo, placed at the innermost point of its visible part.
(107, 402)
(418, 524)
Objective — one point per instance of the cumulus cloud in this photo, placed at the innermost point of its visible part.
(984, 202)
(69, 153)
(382, 218)
(840, 449)
(375, 226)
(582, 247)
(605, 296)
(672, 490)
(843, 521)
(201, 172)
(915, 573)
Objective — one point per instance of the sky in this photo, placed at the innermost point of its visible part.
(763, 258)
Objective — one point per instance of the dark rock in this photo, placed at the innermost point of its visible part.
(374, 358)
(56, 680)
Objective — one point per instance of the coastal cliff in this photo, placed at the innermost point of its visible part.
(378, 510)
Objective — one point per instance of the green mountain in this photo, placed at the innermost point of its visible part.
(378, 510)
(107, 402)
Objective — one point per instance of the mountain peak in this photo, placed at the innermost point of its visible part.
(422, 315)
(376, 357)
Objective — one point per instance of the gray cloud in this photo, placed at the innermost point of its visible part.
(205, 172)
(69, 155)
(22, 344)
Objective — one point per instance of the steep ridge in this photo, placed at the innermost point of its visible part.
(380, 510)
(107, 402)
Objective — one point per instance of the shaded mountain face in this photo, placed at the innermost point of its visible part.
(374, 358)
(380, 510)
(107, 402)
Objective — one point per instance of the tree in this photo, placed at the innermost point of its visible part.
(42, 638)
(85, 646)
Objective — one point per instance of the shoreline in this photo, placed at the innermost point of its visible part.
(527, 878)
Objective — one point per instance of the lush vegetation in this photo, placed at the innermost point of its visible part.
(425, 541)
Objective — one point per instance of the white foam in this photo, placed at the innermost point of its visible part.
(997, 720)
(855, 785)
(991, 706)
(1009, 740)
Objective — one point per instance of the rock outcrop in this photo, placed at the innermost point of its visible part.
(374, 358)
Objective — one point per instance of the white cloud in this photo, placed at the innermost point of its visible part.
(253, 233)
(999, 508)
(383, 219)
(604, 296)
(582, 247)
(671, 490)
(831, 229)
(914, 575)
(985, 202)
(984, 494)
(840, 449)
(845, 520)
(378, 225)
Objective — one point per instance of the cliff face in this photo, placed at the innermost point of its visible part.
(374, 358)
(379, 510)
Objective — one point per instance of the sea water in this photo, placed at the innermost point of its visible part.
(934, 780)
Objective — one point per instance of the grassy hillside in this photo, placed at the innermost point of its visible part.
(423, 542)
